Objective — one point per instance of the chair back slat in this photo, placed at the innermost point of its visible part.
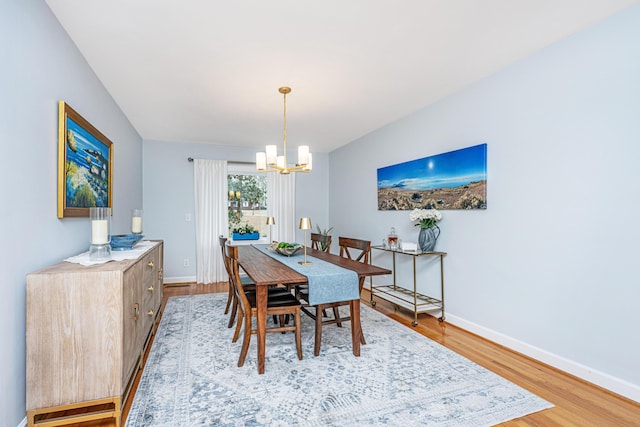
(321, 242)
(355, 249)
(223, 242)
(231, 254)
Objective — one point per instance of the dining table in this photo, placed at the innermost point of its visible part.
(267, 271)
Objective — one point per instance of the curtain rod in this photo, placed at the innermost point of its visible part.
(190, 159)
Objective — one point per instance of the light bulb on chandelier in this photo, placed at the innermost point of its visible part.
(269, 161)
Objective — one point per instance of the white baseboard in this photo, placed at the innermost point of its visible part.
(601, 379)
(184, 279)
(23, 423)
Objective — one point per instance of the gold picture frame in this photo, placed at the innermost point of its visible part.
(85, 165)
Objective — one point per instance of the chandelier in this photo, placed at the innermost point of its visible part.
(269, 161)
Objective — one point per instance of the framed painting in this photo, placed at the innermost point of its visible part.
(85, 164)
(452, 180)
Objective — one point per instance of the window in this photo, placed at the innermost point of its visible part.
(247, 203)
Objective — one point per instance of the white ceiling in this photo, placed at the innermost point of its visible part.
(209, 70)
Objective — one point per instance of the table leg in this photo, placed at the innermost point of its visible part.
(261, 306)
(356, 330)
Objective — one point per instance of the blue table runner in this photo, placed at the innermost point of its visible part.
(327, 282)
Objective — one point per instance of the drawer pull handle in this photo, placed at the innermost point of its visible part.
(150, 313)
(150, 288)
(136, 311)
(150, 264)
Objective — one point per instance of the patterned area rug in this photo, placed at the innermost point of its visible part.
(191, 377)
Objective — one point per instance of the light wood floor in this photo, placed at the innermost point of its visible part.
(576, 402)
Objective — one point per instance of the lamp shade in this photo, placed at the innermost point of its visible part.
(271, 220)
(305, 223)
(271, 154)
(309, 166)
(261, 161)
(303, 155)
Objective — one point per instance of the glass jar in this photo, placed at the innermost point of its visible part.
(136, 221)
(392, 239)
(100, 248)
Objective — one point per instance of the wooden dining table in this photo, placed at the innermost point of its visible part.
(266, 271)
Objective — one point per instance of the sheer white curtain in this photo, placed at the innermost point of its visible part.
(281, 204)
(210, 189)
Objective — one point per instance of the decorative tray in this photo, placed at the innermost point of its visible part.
(289, 250)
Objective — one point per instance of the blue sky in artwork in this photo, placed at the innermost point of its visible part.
(86, 140)
(445, 170)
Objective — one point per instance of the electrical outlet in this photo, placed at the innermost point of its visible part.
(187, 217)
(186, 262)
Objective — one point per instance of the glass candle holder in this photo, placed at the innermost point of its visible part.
(100, 248)
(136, 221)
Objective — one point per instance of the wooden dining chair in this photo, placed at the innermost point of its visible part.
(249, 286)
(354, 249)
(321, 242)
(232, 301)
(231, 297)
(277, 305)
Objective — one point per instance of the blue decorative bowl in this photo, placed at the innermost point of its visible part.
(125, 242)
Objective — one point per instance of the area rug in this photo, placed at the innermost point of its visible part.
(402, 378)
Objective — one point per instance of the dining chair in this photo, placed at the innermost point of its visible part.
(354, 249)
(277, 305)
(321, 242)
(249, 286)
(230, 298)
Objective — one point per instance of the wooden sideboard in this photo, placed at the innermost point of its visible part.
(87, 330)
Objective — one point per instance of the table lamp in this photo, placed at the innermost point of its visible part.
(305, 224)
(271, 221)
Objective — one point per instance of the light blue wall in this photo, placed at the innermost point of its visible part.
(552, 262)
(41, 66)
(169, 196)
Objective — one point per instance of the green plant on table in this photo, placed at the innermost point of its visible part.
(283, 245)
(245, 229)
(325, 232)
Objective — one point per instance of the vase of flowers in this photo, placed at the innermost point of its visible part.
(429, 231)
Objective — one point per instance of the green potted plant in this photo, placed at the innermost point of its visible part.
(245, 232)
(324, 232)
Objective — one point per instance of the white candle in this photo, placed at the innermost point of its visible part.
(99, 232)
(136, 224)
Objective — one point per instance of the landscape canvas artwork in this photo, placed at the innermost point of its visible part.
(84, 165)
(452, 180)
